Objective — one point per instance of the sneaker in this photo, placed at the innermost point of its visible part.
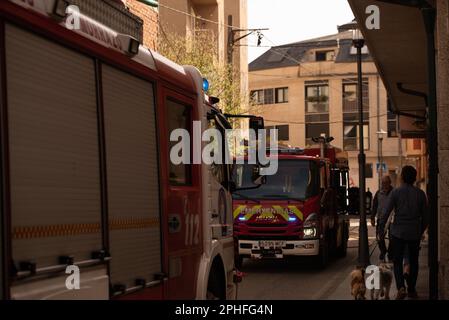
(401, 294)
(412, 295)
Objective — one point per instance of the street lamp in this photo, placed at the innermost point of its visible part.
(364, 258)
(380, 136)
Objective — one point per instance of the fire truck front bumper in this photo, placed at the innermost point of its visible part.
(258, 249)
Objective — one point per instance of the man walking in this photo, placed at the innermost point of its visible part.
(379, 204)
(407, 228)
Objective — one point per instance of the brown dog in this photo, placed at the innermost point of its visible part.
(358, 288)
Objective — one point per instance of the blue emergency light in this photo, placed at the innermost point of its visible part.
(206, 85)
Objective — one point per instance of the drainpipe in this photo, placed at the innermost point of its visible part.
(429, 14)
(379, 175)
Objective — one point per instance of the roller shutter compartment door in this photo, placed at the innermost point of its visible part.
(132, 174)
(54, 153)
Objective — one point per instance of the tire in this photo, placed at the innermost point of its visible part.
(323, 256)
(215, 285)
(342, 251)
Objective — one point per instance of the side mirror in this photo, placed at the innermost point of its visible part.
(257, 178)
(342, 199)
(335, 179)
(353, 200)
(232, 186)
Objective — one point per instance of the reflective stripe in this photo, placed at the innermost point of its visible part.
(296, 212)
(238, 210)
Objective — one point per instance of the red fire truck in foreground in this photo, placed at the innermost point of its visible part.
(86, 182)
(300, 211)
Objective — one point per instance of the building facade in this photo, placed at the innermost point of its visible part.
(411, 48)
(220, 19)
(308, 89)
(150, 18)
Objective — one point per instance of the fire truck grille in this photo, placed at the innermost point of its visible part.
(268, 237)
(268, 225)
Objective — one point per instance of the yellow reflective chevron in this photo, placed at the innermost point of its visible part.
(281, 212)
(253, 212)
(238, 210)
(296, 212)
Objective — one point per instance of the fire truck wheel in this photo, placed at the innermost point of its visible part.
(216, 289)
(343, 249)
(323, 256)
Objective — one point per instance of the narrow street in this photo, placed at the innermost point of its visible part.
(299, 279)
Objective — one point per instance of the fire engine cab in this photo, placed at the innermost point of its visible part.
(299, 211)
(88, 191)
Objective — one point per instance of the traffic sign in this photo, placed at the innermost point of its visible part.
(384, 167)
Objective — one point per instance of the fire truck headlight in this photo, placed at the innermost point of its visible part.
(242, 219)
(310, 233)
(292, 219)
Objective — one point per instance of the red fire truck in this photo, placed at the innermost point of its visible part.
(86, 181)
(300, 211)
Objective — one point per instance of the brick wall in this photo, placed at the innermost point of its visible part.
(150, 18)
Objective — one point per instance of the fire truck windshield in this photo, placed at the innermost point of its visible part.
(295, 180)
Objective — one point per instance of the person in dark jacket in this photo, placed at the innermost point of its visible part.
(379, 204)
(406, 230)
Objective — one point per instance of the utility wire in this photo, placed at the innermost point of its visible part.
(198, 17)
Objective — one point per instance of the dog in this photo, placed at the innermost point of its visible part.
(386, 279)
(358, 288)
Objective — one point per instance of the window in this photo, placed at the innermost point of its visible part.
(269, 96)
(351, 136)
(295, 179)
(257, 96)
(314, 130)
(416, 144)
(392, 125)
(178, 118)
(317, 99)
(265, 96)
(317, 110)
(351, 115)
(281, 95)
(350, 96)
(324, 55)
(283, 132)
(369, 170)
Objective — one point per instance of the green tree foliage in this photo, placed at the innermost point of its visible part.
(201, 51)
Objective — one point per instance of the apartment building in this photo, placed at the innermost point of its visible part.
(222, 19)
(309, 88)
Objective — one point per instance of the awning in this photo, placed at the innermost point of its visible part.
(399, 50)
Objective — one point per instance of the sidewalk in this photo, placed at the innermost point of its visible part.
(343, 292)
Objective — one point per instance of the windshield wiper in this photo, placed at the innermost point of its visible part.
(246, 197)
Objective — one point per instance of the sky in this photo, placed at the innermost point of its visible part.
(294, 20)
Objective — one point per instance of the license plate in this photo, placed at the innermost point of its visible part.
(271, 244)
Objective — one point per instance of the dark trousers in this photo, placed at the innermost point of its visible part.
(398, 248)
(381, 241)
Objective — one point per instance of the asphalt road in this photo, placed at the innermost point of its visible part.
(298, 279)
